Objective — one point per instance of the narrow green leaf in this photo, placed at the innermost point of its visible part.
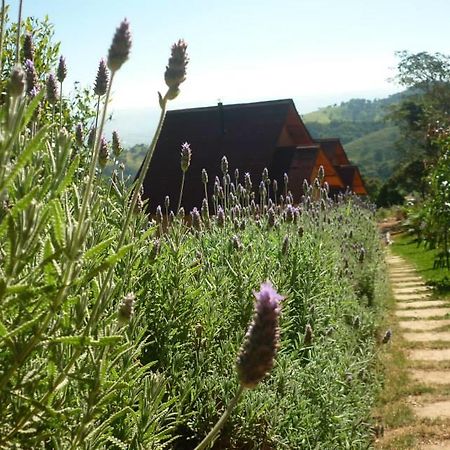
(106, 340)
(32, 107)
(148, 233)
(26, 155)
(69, 175)
(18, 289)
(3, 329)
(24, 202)
(106, 264)
(113, 259)
(97, 249)
(23, 327)
(77, 341)
(58, 219)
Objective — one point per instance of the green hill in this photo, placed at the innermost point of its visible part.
(355, 110)
(363, 127)
(375, 153)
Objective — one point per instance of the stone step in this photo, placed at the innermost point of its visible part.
(410, 289)
(412, 297)
(423, 325)
(404, 271)
(406, 279)
(430, 354)
(409, 284)
(429, 336)
(421, 304)
(423, 313)
(434, 410)
(430, 376)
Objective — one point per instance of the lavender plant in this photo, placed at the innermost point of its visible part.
(70, 369)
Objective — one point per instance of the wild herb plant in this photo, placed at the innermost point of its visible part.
(71, 374)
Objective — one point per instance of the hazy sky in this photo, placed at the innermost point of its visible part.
(315, 51)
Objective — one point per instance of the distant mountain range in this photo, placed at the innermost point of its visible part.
(368, 136)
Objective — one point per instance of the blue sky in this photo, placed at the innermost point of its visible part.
(316, 51)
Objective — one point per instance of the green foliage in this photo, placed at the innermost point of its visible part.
(437, 204)
(427, 76)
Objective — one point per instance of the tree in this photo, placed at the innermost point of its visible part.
(422, 70)
(426, 77)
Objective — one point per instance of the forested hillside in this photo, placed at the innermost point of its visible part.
(365, 129)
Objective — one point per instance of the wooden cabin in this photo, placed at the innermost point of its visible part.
(252, 136)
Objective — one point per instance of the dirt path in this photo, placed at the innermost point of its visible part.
(422, 324)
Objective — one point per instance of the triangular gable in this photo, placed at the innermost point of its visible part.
(302, 163)
(334, 150)
(352, 179)
(332, 177)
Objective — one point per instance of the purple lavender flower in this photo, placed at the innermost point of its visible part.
(220, 217)
(79, 134)
(61, 73)
(28, 47)
(159, 215)
(247, 182)
(116, 144)
(224, 165)
(176, 69)
(120, 46)
(18, 81)
(308, 337)
(186, 154)
(102, 79)
(205, 210)
(204, 176)
(32, 78)
(256, 357)
(52, 89)
(196, 220)
(103, 154)
(126, 308)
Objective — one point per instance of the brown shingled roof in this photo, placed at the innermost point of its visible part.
(246, 133)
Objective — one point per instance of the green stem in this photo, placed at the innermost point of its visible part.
(181, 191)
(19, 23)
(206, 194)
(209, 439)
(60, 106)
(51, 129)
(2, 32)
(87, 191)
